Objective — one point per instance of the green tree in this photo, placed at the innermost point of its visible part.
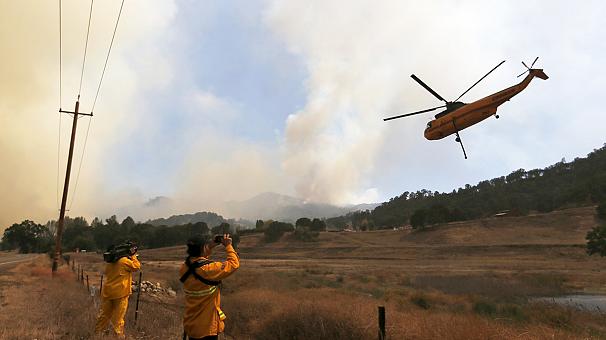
(84, 243)
(223, 228)
(76, 228)
(276, 229)
(28, 237)
(303, 222)
(596, 237)
(199, 228)
(418, 219)
(259, 225)
(317, 225)
(128, 223)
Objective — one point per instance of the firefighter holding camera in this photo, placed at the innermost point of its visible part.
(201, 277)
(122, 262)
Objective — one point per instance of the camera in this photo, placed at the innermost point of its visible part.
(218, 239)
(116, 252)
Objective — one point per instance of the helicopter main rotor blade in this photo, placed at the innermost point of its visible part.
(476, 83)
(413, 113)
(427, 87)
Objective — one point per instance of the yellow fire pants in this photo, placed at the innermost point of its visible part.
(114, 311)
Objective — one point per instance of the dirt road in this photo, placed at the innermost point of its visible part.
(8, 260)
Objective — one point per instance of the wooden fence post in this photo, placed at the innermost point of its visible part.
(382, 323)
(101, 286)
(138, 295)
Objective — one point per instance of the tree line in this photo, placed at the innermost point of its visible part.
(564, 184)
(304, 229)
(28, 237)
(78, 234)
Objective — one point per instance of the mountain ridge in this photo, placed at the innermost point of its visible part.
(264, 206)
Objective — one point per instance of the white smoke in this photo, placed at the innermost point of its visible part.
(359, 55)
(29, 98)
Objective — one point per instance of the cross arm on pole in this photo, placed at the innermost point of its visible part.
(80, 113)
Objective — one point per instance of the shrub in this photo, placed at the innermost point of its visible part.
(305, 235)
(420, 301)
(308, 321)
(512, 312)
(596, 240)
(276, 229)
(485, 308)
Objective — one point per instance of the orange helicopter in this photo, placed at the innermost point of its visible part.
(459, 115)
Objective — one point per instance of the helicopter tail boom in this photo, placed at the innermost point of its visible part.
(539, 73)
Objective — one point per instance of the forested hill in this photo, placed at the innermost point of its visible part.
(209, 218)
(577, 183)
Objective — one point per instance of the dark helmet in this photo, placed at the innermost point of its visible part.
(195, 244)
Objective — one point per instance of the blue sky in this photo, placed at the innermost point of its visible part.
(210, 101)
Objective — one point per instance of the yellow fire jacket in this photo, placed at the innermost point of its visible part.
(203, 315)
(119, 277)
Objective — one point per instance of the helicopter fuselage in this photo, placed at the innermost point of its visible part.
(459, 116)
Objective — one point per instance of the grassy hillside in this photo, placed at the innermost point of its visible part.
(581, 182)
(461, 280)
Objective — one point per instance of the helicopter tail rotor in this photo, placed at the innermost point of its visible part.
(530, 68)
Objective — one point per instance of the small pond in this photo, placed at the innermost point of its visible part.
(594, 303)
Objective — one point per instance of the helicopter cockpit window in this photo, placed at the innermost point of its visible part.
(428, 125)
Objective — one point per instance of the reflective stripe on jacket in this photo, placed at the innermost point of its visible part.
(203, 315)
(203, 292)
(119, 277)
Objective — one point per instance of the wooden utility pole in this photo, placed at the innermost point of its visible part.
(66, 185)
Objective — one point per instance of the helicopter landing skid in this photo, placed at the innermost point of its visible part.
(458, 139)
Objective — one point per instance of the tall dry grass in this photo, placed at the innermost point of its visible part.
(34, 306)
(326, 314)
(42, 307)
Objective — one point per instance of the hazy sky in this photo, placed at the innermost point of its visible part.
(207, 101)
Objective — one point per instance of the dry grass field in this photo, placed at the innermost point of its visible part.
(466, 280)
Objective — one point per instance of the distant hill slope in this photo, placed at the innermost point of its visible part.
(264, 206)
(581, 182)
(502, 237)
(566, 228)
(560, 227)
(275, 206)
(210, 218)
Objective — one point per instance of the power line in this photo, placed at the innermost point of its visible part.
(90, 15)
(96, 96)
(74, 127)
(107, 58)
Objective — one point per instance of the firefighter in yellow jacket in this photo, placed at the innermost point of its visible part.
(203, 317)
(115, 293)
